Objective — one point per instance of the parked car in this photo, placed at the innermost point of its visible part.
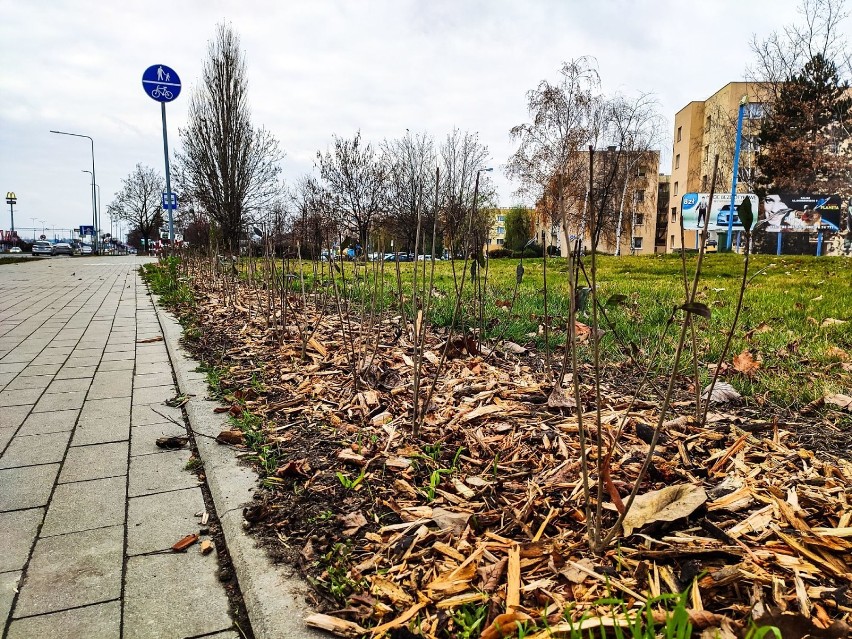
(722, 218)
(42, 247)
(86, 249)
(712, 246)
(424, 258)
(62, 248)
(15, 249)
(399, 257)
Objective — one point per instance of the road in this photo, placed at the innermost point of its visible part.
(89, 506)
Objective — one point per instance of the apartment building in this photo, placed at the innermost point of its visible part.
(702, 130)
(630, 207)
(497, 230)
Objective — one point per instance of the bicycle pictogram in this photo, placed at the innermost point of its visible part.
(161, 91)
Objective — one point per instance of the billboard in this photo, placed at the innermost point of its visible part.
(696, 207)
(796, 212)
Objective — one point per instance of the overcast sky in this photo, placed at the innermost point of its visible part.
(318, 67)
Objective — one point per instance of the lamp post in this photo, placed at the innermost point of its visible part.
(11, 198)
(94, 200)
(34, 228)
(98, 187)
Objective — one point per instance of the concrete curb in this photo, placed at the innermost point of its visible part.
(274, 597)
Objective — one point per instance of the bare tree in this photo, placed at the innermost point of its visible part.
(783, 54)
(636, 127)
(806, 129)
(411, 162)
(549, 162)
(139, 202)
(356, 180)
(229, 167)
(313, 222)
(463, 156)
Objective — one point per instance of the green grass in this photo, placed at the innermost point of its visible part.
(788, 298)
(6, 260)
(791, 295)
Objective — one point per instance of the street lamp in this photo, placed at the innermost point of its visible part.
(11, 198)
(98, 187)
(94, 201)
(34, 228)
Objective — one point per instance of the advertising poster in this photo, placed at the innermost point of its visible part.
(795, 212)
(695, 207)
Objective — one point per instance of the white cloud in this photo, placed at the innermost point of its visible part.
(330, 66)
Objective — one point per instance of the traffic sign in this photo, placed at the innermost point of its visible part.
(87, 230)
(161, 83)
(173, 204)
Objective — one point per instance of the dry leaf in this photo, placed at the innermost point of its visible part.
(150, 340)
(295, 468)
(667, 504)
(561, 398)
(337, 627)
(836, 354)
(575, 575)
(505, 625)
(231, 437)
(830, 321)
(171, 443)
(746, 364)
(843, 402)
(763, 327)
(513, 348)
(353, 522)
(447, 519)
(722, 393)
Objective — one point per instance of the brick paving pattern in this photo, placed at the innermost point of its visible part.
(89, 506)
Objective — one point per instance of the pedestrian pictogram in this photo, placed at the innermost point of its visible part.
(161, 83)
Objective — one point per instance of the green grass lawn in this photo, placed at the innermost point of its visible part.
(788, 300)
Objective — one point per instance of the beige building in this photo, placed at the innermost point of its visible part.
(703, 129)
(630, 213)
(497, 231)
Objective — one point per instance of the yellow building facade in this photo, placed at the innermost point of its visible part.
(703, 129)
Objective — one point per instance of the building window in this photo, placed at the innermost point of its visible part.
(706, 153)
(500, 241)
(751, 143)
(640, 195)
(703, 182)
(708, 123)
(640, 219)
(679, 132)
(674, 214)
(746, 173)
(675, 188)
(671, 239)
(501, 230)
(677, 161)
(637, 242)
(753, 111)
(501, 218)
(640, 172)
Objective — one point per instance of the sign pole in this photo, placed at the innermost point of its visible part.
(168, 178)
(736, 169)
(162, 84)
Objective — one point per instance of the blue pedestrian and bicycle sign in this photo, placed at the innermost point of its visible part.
(161, 83)
(86, 230)
(170, 203)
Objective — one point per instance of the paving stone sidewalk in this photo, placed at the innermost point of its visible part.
(89, 506)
